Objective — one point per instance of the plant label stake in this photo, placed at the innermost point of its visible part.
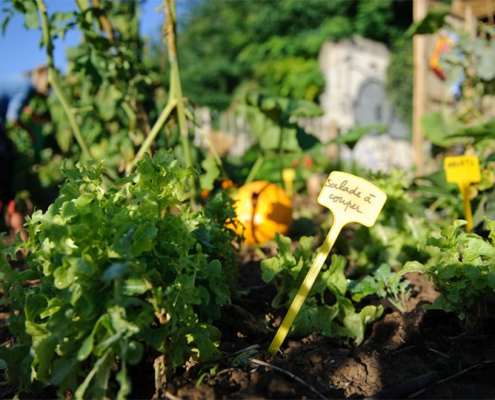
(288, 175)
(350, 199)
(463, 170)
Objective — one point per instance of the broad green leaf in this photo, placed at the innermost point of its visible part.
(135, 286)
(69, 210)
(117, 270)
(44, 352)
(143, 239)
(134, 352)
(365, 287)
(63, 277)
(86, 347)
(485, 67)
(35, 305)
(207, 349)
(431, 23)
(270, 268)
(211, 173)
(64, 371)
(31, 19)
(439, 127)
(446, 272)
(476, 248)
(410, 266)
(285, 248)
(351, 137)
(334, 277)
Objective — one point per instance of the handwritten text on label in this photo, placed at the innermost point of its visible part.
(341, 199)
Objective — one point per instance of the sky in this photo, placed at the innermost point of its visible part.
(20, 48)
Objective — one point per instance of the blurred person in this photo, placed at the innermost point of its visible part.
(16, 91)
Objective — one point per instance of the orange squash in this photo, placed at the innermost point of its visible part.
(262, 209)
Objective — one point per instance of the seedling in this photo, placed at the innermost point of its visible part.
(463, 170)
(350, 199)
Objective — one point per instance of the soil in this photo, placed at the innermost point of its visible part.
(416, 354)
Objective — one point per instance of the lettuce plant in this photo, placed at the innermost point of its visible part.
(331, 307)
(461, 268)
(117, 275)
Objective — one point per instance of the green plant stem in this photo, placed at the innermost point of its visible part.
(254, 170)
(280, 150)
(214, 152)
(169, 6)
(55, 81)
(145, 147)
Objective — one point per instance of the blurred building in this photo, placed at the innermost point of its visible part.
(355, 75)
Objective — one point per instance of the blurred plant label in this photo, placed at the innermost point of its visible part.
(463, 170)
(288, 175)
(351, 199)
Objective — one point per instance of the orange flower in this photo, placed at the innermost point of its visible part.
(227, 184)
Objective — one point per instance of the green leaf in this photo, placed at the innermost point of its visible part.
(86, 347)
(410, 266)
(365, 287)
(431, 23)
(334, 277)
(211, 173)
(31, 19)
(203, 337)
(354, 134)
(134, 352)
(125, 383)
(270, 268)
(44, 352)
(135, 286)
(35, 305)
(69, 210)
(476, 248)
(143, 239)
(117, 270)
(63, 277)
(485, 67)
(285, 248)
(439, 128)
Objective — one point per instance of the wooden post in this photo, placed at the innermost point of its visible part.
(420, 8)
(470, 21)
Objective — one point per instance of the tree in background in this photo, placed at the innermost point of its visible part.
(272, 46)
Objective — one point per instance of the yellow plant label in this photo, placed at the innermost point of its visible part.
(350, 199)
(463, 170)
(288, 175)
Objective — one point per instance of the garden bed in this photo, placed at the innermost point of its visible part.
(417, 354)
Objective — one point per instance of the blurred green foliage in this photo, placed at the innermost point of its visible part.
(271, 46)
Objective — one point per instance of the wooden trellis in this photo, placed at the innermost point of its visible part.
(429, 93)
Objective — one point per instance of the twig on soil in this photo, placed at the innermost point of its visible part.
(438, 352)
(289, 374)
(170, 396)
(249, 348)
(452, 377)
